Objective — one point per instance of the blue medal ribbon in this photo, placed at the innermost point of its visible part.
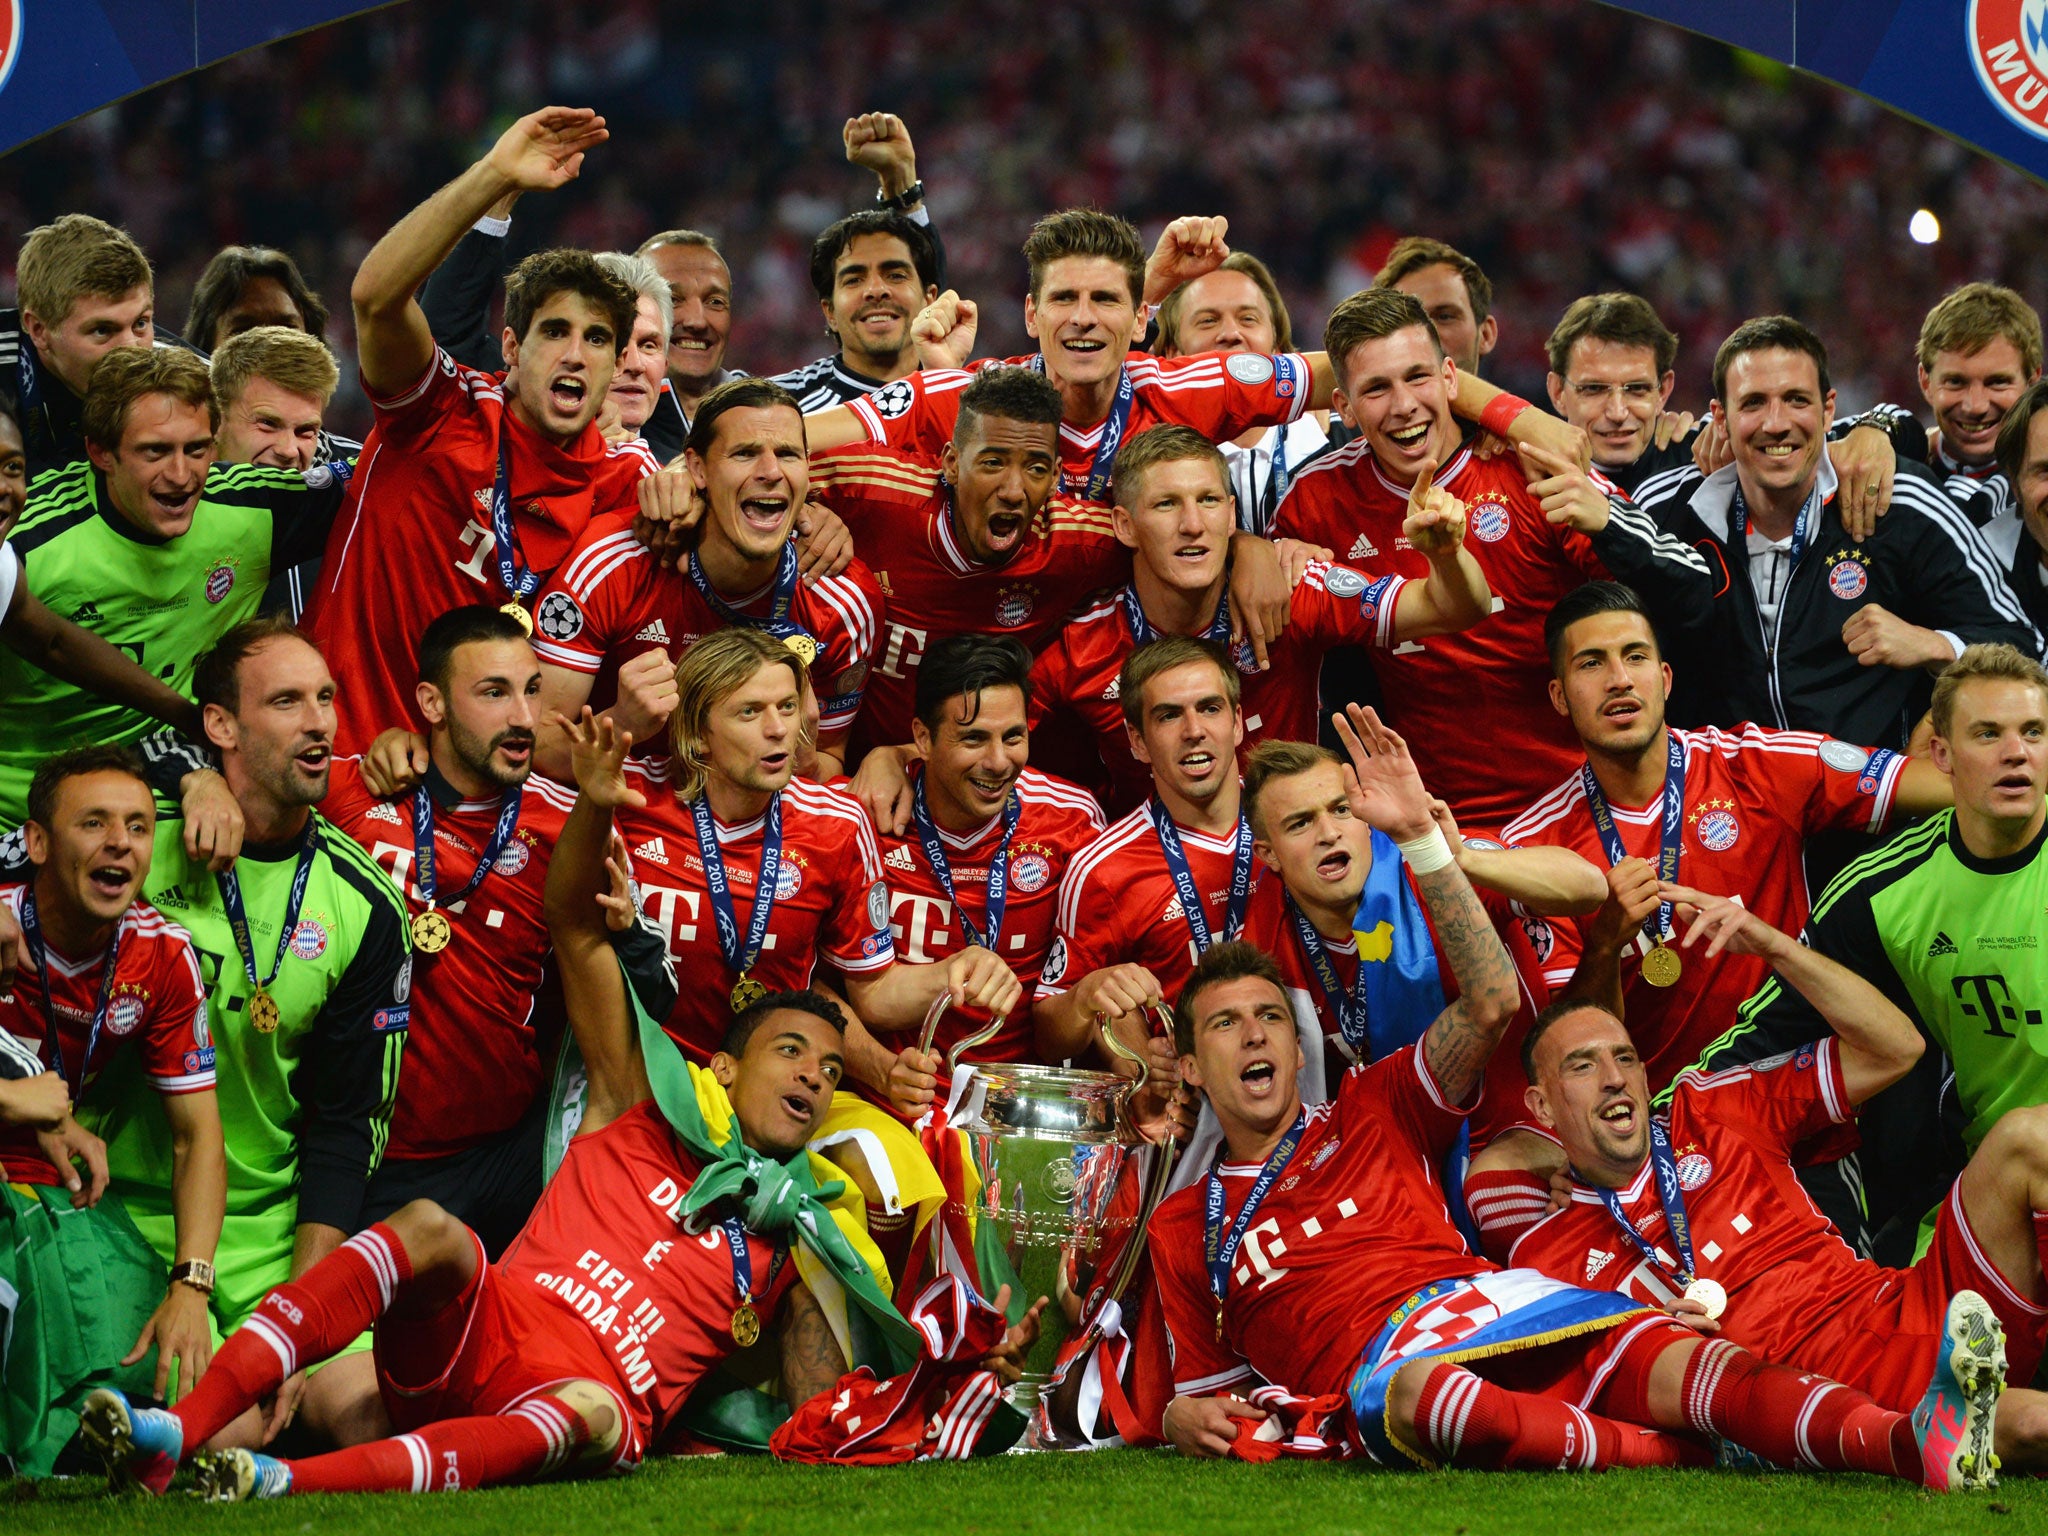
(1142, 632)
(743, 1260)
(1349, 1007)
(1184, 880)
(998, 866)
(423, 843)
(29, 381)
(1658, 925)
(1669, 1195)
(238, 915)
(520, 579)
(739, 957)
(1802, 525)
(32, 934)
(1219, 1251)
(778, 623)
(1103, 469)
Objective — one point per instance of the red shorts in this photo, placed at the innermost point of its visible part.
(1607, 1372)
(486, 1352)
(1888, 1348)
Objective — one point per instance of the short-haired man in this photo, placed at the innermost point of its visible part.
(102, 970)
(1979, 350)
(1786, 618)
(1946, 920)
(1717, 1159)
(1454, 292)
(84, 288)
(303, 948)
(1318, 1256)
(614, 620)
(990, 836)
(1173, 511)
(1238, 308)
(873, 271)
(700, 310)
(643, 366)
(468, 489)
(1727, 811)
(150, 545)
(2018, 536)
(1533, 542)
(469, 847)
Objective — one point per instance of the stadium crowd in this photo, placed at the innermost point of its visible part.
(504, 912)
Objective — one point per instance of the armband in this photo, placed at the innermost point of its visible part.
(1500, 413)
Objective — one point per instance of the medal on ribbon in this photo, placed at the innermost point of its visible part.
(746, 1321)
(1184, 881)
(1661, 965)
(740, 954)
(264, 1013)
(778, 622)
(1711, 1296)
(431, 930)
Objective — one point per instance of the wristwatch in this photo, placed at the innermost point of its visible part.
(903, 201)
(196, 1273)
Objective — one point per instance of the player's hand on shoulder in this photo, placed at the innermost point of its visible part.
(1261, 594)
(1206, 1426)
(1671, 427)
(1711, 450)
(396, 763)
(882, 787)
(1296, 556)
(213, 820)
(1565, 492)
(944, 331)
(824, 544)
(1865, 463)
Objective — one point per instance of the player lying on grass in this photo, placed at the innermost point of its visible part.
(1697, 1209)
(580, 1346)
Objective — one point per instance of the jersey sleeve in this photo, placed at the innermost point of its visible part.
(1052, 681)
(854, 600)
(411, 416)
(1202, 1363)
(915, 413)
(856, 934)
(1339, 606)
(1778, 1102)
(1505, 1203)
(1951, 581)
(594, 599)
(1850, 786)
(1086, 935)
(1400, 1084)
(177, 1048)
(1225, 395)
(302, 508)
(347, 1080)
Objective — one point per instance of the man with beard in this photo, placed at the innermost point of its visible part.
(873, 271)
(302, 945)
(470, 848)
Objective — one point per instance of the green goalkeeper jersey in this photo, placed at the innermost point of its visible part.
(162, 601)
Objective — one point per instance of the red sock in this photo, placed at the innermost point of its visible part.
(529, 1442)
(1465, 1421)
(300, 1323)
(1794, 1419)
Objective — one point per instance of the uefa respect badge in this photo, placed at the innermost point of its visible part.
(2008, 43)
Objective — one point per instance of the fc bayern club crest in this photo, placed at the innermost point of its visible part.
(123, 1014)
(1717, 831)
(1490, 521)
(220, 580)
(1848, 579)
(788, 880)
(1013, 605)
(1029, 872)
(513, 859)
(309, 940)
(2008, 46)
(1693, 1171)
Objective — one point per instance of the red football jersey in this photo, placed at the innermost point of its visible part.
(1118, 904)
(1786, 1270)
(901, 515)
(414, 536)
(157, 1000)
(830, 904)
(1220, 396)
(1752, 798)
(611, 600)
(1355, 1227)
(1332, 605)
(473, 1062)
(1496, 673)
(607, 1249)
(1269, 926)
(1055, 823)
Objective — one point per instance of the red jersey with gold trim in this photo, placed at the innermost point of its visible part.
(1752, 798)
(1354, 1227)
(414, 539)
(1078, 674)
(1220, 396)
(611, 600)
(1055, 822)
(473, 1061)
(1496, 673)
(605, 1252)
(157, 1004)
(831, 902)
(901, 516)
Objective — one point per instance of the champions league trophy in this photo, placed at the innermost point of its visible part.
(1067, 1183)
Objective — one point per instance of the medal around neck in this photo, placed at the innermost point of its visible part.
(746, 1325)
(1661, 966)
(430, 932)
(518, 612)
(746, 992)
(264, 1014)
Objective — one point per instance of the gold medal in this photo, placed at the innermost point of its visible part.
(1712, 1299)
(264, 1014)
(1661, 966)
(745, 993)
(1219, 1322)
(430, 932)
(518, 611)
(805, 647)
(746, 1325)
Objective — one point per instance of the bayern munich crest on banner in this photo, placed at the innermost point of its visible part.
(2008, 43)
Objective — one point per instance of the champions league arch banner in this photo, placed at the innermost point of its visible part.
(1975, 69)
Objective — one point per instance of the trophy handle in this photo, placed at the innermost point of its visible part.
(1116, 1047)
(930, 1031)
(932, 1015)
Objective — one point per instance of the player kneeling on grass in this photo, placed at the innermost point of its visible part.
(1317, 1256)
(1700, 1201)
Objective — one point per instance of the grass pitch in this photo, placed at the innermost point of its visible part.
(1107, 1493)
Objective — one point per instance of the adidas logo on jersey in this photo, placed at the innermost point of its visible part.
(1115, 688)
(652, 849)
(1174, 913)
(384, 810)
(86, 613)
(1942, 945)
(656, 632)
(1596, 1260)
(1363, 548)
(899, 858)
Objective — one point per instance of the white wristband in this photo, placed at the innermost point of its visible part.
(1429, 853)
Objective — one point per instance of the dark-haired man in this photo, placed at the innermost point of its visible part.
(469, 490)
(2018, 536)
(614, 620)
(469, 847)
(102, 971)
(1453, 290)
(872, 271)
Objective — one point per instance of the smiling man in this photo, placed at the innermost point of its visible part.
(872, 271)
(470, 848)
(149, 544)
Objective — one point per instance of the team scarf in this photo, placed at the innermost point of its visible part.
(1397, 962)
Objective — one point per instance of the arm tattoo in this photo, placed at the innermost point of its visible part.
(1462, 1040)
(811, 1361)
